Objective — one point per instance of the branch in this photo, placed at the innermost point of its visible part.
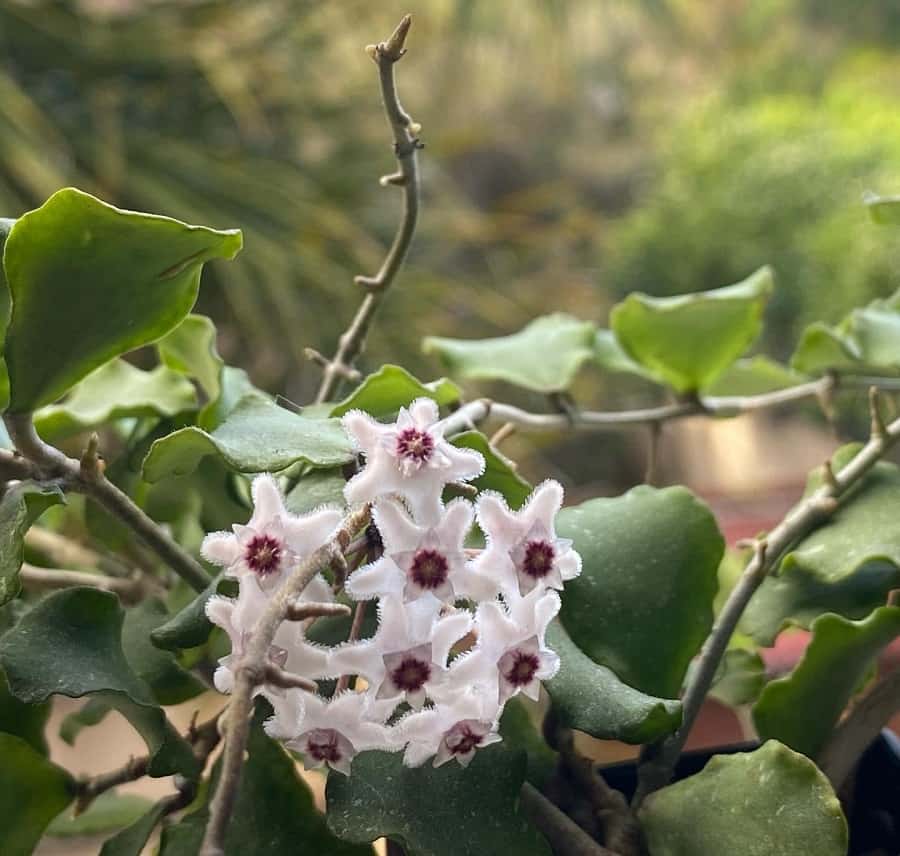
(130, 590)
(406, 144)
(656, 770)
(566, 837)
(861, 726)
(61, 550)
(87, 477)
(250, 671)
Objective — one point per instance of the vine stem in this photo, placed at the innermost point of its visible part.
(86, 476)
(566, 836)
(250, 672)
(406, 145)
(130, 590)
(659, 762)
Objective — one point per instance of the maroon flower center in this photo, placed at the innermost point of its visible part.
(322, 745)
(411, 674)
(538, 561)
(429, 569)
(522, 669)
(461, 739)
(263, 555)
(415, 445)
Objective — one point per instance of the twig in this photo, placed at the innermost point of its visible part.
(566, 836)
(65, 552)
(303, 611)
(359, 615)
(507, 429)
(406, 144)
(131, 590)
(656, 769)
(861, 726)
(87, 477)
(14, 467)
(250, 672)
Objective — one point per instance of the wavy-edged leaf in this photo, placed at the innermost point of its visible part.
(499, 474)
(757, 803)
(90, 282)
(32, 792)
(689, 341)
(21, 505)
(190, 627)
(651, 560)
(27, 721)
(384, 392)
(443, 811)
(755, 376)
(132, 840)
(257, 436)
(91, 713)
(610, 355)
(114, 391)
(70, 644)
(315, 489)
(544, 356)
(591, 698)
(190, 349)
(802, 708)
(109, 812)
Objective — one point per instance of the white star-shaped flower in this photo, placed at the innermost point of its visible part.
(417, 560)
(407, 656)
(409, 457)
(273, 541)
(522, 550)
(332, 731)
(511, 654)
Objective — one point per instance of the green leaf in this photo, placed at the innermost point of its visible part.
(132, 840)
(802, 708)
(32, 792)
(90, 282)
(867, 338)
(109, 812)
(740, 677)
(884, 210)
(390, 388)
(315, 489)
(499, 472)
(771, 801)
(274, 813)
(70, 644)
(5, 304)
(257, 436)
(650, 561)
(190, 627)
(520, 731)
(191, 350)
(847, 565)
(21, 505)
(114, 391)
(610, 354)
(442, 811)
(169, 682)
(91, 713)
(590, 698)
(689, 341)
(755, 376)
(544, 356)
(27, 721)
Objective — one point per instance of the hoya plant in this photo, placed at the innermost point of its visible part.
(365, 586)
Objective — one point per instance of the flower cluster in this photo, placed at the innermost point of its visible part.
(460, 631)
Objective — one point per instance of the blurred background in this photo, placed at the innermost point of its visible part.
(576, 150)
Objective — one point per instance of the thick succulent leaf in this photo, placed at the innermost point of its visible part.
(131, 840)
(390, 388)
(757, 803)
(190, 627)
(315, 489)
(116, 390)
(109, 812)
(651, 559)
(32, 792)
(610, 354)
(442, 811)
(688, 341)
(118, 278)
(27, 721)
(519, 726)
(21, 505)
(867, 338)
(91, 713)
(740, 677)
(70, 644)
(847, 565)
(499, 474)
(884, 210)
(257, 436)
(544, 356)
(274, 814)
(802, 708)
(169, 682)
(190, 349)
(590, 698)
(755, 376)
